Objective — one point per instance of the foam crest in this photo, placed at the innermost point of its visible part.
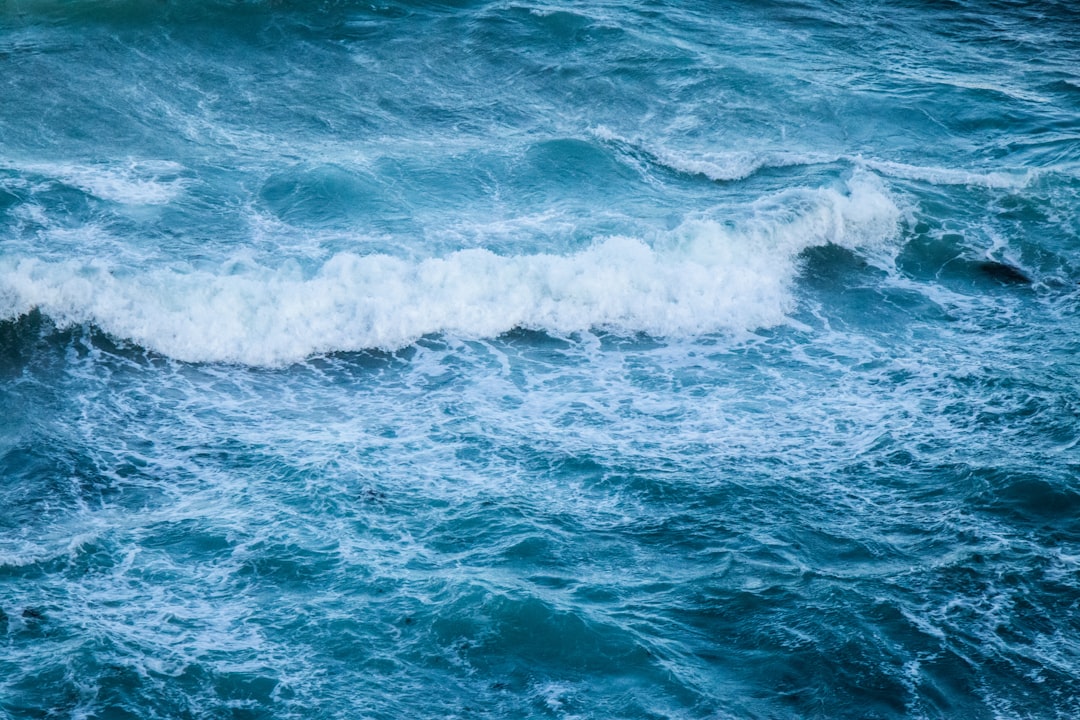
(735, 164)
(703, 277)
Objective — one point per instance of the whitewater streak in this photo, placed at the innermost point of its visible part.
(733, 165)
(701, 277)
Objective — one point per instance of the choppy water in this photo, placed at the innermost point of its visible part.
(506, 360)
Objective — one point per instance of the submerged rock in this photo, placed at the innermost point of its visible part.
(1002, 272)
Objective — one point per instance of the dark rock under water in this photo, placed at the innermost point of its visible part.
(1002, 272)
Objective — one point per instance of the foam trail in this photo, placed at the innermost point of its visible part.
(137, 183)
(996, 180)
(703, 277)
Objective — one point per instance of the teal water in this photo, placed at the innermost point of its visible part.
(505, 360)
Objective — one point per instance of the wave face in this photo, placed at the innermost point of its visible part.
(486, 359)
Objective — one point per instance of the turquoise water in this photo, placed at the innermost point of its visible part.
(506, 360)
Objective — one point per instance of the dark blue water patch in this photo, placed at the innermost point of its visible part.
(45, 480)
(141, 71)
(327, 196)
(1042, 500)
(555, 70)
(925, 254)
(22, 340)
(579, 166)
(122, 12)
(1066, 89)
(952, 261)
(899, 313)
(281, 566)
(487, 633)
(98, 676)
(990, 622)
(73, 206)
(1028, 209)
(23, 704)
(564, 29)
(500, 629)
(830, 266)
(9, 198)
(983, 273)
(35, 349)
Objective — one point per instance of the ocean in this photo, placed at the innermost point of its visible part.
(498, 359)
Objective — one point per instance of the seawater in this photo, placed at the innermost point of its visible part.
(495, 359)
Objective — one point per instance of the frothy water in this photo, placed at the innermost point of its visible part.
(486, 359)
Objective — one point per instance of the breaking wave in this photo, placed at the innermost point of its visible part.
(701, 277)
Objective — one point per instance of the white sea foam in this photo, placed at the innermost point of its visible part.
(703, 277)
(950, 176)
(134, 183)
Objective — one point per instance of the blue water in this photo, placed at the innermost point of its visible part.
(486, 359)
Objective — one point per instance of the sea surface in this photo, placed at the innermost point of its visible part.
(500, 359)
